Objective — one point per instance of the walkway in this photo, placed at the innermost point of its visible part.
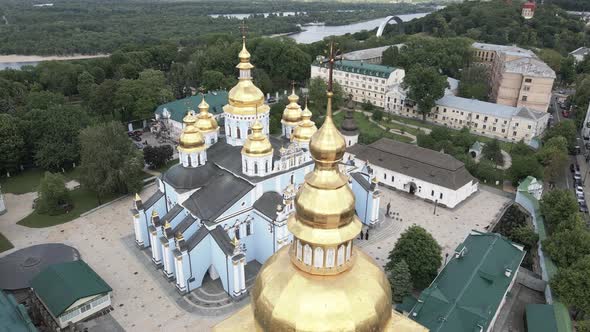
(391, 130)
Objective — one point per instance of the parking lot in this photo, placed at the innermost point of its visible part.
(148, 138)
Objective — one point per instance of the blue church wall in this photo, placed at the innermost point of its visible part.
(360, 205)
(264, 238)
(192, 229)
(244, 203)
(222, 265)
(176, 220)
(171, 195)
(200, 260)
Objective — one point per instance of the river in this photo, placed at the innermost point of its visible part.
(14, 61)
(314, 33)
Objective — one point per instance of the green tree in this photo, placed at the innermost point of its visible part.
(583, 326)
(85, 85)
(474, 83)
(110, 163)
(421, 252)
(567, 245)
(12, 143)
(44, 99)
(553, 156)
(526, 236)
(400, 280)
(566, 129)
(523, 166)
(157, 156)
(567, 70)
(212, 80)
(52, 194)
(102, 100)
(318, 98)
(377, 115)
(138, 98)
(425, 86)
(493, 152)
(558, 205)
(552, 58)
(572, 285)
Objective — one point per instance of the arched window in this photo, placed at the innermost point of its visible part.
(245, 165)
(330, 253)
(266, 167)
(255, 168)
(299, 249)
(307, 254)
(188, 160)
(348, 250)
(340, 259)
(318, 257)
(292, 178)
(238, 134)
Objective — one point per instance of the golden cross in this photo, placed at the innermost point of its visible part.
(332, 57)
(293, 86)
(243, 28)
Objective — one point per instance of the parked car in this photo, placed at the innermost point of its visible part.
(136, 138)
(572, 168)
(138, 145)
(577, 175)
(579, 191)
(584, 208)
(138, 132)
(577, 182)
(565, 113)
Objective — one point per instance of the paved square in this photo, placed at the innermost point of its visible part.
(448, 226)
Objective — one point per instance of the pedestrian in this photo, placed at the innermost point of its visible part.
(367, 235)
(388, 207)
(361, 234)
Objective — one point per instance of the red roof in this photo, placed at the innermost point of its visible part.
(530, 5)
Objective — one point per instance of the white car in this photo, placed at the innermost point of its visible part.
(577, 176)
(579, 190)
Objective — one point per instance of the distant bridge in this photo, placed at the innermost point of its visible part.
(388, 19)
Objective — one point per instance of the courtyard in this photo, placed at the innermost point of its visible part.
(144, 301)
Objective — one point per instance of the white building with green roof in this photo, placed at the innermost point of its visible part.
(366, 82)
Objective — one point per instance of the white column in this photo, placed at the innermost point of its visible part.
(236, 278)
(180, 274)
(136, 226)
(242, 275)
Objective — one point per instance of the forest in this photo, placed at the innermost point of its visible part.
(91, 27)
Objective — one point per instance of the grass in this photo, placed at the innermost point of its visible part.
(4, 243)
(370, 129)
(409, 130)
(410, 121)
(83, 201)
(28, 180)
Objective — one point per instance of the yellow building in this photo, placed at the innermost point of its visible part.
(321, 282)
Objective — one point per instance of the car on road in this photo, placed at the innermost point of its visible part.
(572, 168)
(565, 113)
(136, 138)
(577, 175)
(138, 145)
(583, 207)
(579, 191)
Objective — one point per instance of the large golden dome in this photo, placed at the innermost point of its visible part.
(257, 144)
(245, 97)
(191, 139)
(206, 122)
(292, 113)
(306, 128)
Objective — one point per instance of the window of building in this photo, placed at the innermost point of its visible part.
(524, 98)
(484, 127)
(529, 126)
(485, 119)
(444, 110)
(527, 88)
(494, 128)
(513, 133)
(432, 193)
(384, 176)
(503, 130)
(528, 80)
(477, 116)
(440, 196)
(85, 308)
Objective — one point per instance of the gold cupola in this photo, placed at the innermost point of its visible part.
(292, 113)
(245, 97)
(321, 282)
(306, 128)
(206, 122)
(191, 139)
(257, 144)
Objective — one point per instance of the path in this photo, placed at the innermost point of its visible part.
(391, 130)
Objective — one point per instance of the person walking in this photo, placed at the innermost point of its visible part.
(367, 234)
(388, 208)
(361, 237)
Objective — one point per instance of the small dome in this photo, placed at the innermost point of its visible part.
(349, 127)
(257, 144)
(206, 122)
(191, 139)
(292, 113)
(306, 128)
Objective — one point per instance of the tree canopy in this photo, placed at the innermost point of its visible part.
(558, 205)
(572, 284)
(425, 86)
(52, 194)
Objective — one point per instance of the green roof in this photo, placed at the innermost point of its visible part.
(540, 318)
(407, 304)
(60, 285)
(359, 67)
(14, 316)
(468, 291)
(179, 108)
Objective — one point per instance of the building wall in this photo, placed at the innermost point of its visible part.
(78, 315)
(362, 87)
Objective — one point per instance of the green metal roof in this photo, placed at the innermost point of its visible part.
(14, 316)
(359, 67)
(407, 304)
(468, 291)
(60, 285)
(179, 108)
(540, 318)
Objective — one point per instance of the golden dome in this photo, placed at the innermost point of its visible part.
(292, 113)
(306, 128)
(245, 97)
(191, 139)
(327, 145)
(206, 122)
(257, 144)
(286, 298)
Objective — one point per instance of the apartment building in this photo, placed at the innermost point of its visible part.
(517, 77)
(506, 123)
(366, 82)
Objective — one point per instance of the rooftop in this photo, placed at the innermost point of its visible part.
(529, 67)
(541, 318)
(179, 108)
(483, 107)
(14, 316)
(467, 293)
(60, 285)
(431, 166)
(582, 51)
(503, 48)
(362, 68)
(369, 53)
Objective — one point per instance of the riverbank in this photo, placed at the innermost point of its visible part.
(11, 58)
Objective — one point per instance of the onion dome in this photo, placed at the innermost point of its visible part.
(245, 97)
(292, 113)
(306, 128)
(206, 122)
(348, 126)
(191, 139)
(257, 144)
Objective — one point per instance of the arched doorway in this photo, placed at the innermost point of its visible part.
(413, 188)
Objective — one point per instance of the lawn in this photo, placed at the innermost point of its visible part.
(409, 130)
(4, 243)
(83, 200)
(370, 129)
(28, 180)
(410, 121)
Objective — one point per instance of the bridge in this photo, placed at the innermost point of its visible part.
(388, 19)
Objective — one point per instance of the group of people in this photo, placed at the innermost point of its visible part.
(364, 235)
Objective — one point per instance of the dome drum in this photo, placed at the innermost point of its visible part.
(321, 260)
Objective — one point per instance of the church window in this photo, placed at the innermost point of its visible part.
(292, 178)
(384, 176)
(348, 250)
(318, 257)
(249, 228)
(432, 193)
(440, 196)
(255, 168)
(266, 167)
(298, 250)
(330, 257)
(307, 254)
(237, 232)
(341, 255)
(245, 165)
(238, 133)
